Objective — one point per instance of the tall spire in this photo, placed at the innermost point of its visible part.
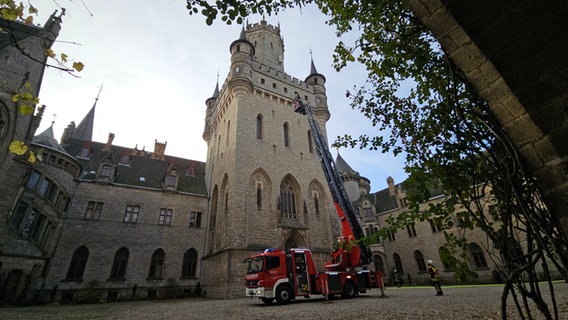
(243, 35)
(313, 71)
(216, 92)
(313, 66)
(84, 130)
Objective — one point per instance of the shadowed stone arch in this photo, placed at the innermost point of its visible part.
(260, 189)
(294, 240)
(213, 209)
(317, 198)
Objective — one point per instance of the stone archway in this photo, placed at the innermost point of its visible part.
(294, 240)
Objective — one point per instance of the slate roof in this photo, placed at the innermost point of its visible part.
(342, 165)
(19, 31)
(47, 139)
(84, 130)
(142, 171)
(384, 202)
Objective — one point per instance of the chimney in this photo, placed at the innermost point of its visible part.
(108, 145)
(159, 150)
(392, 188)
(67, 132)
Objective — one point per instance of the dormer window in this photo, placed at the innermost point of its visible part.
(171, 181)
(124, 159)
(191, 169)
(105, 171)
(85, 152)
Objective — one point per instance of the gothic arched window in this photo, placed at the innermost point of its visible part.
(78, 264)
(118, 271)
(189, 267)
(397, 263)
(157, 264)
(478, 256)
(287, 200)
(419, 258)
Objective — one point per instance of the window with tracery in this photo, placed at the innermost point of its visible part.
(287, 200)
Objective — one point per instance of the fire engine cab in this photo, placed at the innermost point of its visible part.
(283, 275)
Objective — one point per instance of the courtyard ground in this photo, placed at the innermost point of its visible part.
(458, 302)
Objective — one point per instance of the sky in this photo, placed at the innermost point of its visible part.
(157, 65)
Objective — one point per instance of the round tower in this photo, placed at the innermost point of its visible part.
(210, 103)
(240, 76)
(317, 81)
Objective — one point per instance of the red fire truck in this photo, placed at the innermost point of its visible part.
(275, 274)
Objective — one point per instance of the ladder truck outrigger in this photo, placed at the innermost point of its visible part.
(284, 275)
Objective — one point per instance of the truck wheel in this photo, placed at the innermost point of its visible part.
(349, 290)
(267, 300)
(283, 294)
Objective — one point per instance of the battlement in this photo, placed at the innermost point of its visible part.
(263, 25)
(278, 74)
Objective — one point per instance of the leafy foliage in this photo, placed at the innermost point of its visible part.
(25, 100)
(423, 108)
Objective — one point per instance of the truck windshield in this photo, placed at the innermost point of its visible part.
(255, 265)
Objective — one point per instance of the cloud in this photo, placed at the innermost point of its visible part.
(158, 65)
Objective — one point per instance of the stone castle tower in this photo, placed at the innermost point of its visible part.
(264, 178)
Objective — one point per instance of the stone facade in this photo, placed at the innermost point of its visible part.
(408, 250)
(94, 221)
(266, 184)
(25, 244)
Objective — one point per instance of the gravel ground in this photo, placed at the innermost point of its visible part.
(471, 302)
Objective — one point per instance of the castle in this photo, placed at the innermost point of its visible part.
(95, 221)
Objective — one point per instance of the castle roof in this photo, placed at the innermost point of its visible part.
(314, 71)
(84, 130)
(141, 170)
(17, 32)
(342, 165)
(47, 139)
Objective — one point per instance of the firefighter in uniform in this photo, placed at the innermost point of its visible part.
(435, 277)
(396, 278)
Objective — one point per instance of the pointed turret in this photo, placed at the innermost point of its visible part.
(314, 74)
(342, 165)
(47, 139)
(240, 78)
(216, 91)
(210, 102)
(317, 81)
(355, 185)
(84, 131)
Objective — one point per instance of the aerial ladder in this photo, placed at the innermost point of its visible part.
(350, 253)
(284, 275)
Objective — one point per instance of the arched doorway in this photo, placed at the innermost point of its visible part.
(294, 240)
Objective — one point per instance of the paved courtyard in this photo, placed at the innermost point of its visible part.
(475, 302)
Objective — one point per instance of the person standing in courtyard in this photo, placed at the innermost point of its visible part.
(396, 278)
(435, 277)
